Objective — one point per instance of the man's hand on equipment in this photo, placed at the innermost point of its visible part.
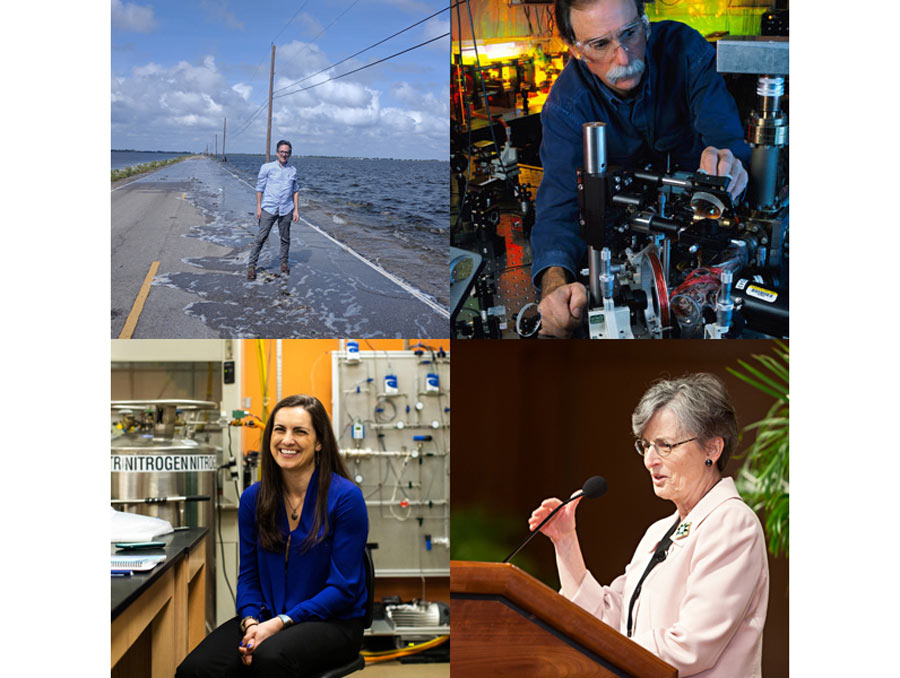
(721, 162)
(562, 304)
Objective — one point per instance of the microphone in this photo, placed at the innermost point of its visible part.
(593, 488)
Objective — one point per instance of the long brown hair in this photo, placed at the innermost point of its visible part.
(271, 492)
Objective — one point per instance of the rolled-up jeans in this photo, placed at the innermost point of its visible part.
(265, 225)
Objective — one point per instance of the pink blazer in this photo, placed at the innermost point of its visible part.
(703, 609)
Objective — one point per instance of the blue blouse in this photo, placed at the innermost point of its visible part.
(326, 582)
(278, 185)
(681, 106)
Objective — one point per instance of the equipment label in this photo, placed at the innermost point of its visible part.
(761, 293)
(156, 463)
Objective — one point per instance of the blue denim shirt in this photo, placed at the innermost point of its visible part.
(278, 185)
(682, 106)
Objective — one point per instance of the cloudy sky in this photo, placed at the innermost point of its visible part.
(179, 68)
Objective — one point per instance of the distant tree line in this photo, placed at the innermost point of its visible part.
(143, 167)
(134, 150)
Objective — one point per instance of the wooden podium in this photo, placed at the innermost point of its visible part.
(506, 623)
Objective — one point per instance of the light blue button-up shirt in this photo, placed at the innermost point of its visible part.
(277, 185)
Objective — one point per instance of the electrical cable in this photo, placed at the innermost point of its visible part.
(312, 373)
(262, 106)
(222, 541)
(383, 419)
(410, 648)
(361, 68)
(290, 20)
(322, 32)
(252, 117)
(528, 18)
(372, 658)
(487, 106)
(462, 200)
(397, 486)
(338, 63)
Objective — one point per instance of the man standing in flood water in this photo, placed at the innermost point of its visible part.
(276, 195)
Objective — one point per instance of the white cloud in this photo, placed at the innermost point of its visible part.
(296, 60)
(428, 102)
(182, 106)
(170, 106)
(148, 69)
(131, 17)
(244, 90)
(407, 93)
(203, 78)
(432, 29)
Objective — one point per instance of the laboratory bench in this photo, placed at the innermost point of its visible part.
(159, 616)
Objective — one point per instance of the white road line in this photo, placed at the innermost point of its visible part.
(421, 296)
(128, 184)
(409, 288)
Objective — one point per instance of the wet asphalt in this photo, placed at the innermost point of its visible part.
(199, 222)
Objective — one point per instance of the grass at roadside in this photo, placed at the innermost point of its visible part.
(145, 167)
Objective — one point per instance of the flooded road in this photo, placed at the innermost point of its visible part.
(198, 221)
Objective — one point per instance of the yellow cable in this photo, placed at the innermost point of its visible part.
(387, 655)
(410, 648)
(261, 366)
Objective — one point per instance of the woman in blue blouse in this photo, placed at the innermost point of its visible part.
(301, 588)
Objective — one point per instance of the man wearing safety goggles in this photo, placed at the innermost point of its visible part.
(663, 102)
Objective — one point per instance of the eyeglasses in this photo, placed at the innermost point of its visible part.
(603, 47)
(662, 449)
(284, 152)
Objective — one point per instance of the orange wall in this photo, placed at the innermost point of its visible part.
(305, 368)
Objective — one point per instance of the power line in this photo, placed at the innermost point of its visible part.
(333, 21)
(290, 20)
(440, 11)
(256, 113)
(349, 7)
(253, 116)
(356, 70)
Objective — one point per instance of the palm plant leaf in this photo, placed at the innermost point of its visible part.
(764, 479)
(779, 370)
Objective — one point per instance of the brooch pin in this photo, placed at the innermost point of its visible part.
(683, 530)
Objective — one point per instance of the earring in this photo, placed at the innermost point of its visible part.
(709, 462)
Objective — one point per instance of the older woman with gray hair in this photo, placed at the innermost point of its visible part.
(696, 590)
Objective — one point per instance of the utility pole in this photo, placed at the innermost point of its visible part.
(269, 125)
(224, 128)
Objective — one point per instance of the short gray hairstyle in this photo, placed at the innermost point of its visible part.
(564, 22)
(701, 405)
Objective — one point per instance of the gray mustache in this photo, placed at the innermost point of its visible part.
(617, 73)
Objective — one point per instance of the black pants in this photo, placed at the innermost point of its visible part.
(300, 650)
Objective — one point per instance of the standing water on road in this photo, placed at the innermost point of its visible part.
(393, 212)
(123, 159)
